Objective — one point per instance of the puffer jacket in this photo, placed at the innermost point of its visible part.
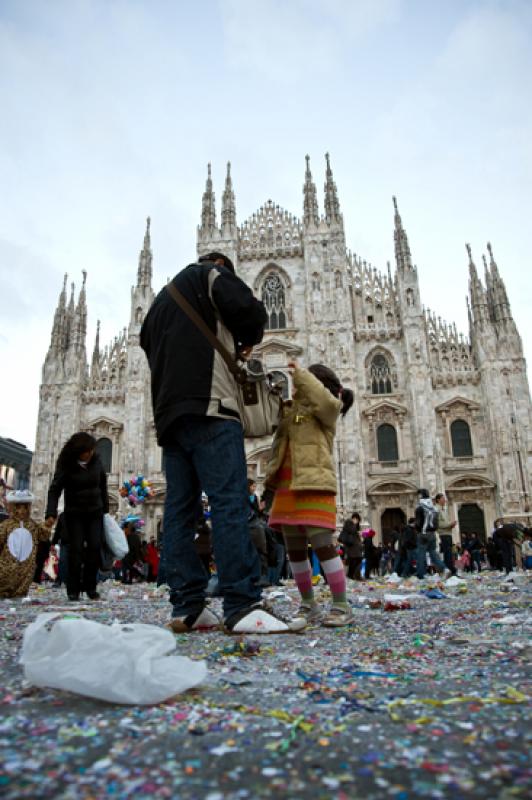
(308, 426)
(85, 489)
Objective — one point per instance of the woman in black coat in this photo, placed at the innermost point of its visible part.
(79, 473)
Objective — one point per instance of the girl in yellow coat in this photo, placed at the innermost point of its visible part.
(301, 471)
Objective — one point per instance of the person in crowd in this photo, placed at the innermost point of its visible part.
(492, 554)
(406, 556)
(277, 561)
(526, 550)
(352, 544)
(503, 536)
(302, 472)
(426, 527)
(195, 405)
(19, 539)
(371, 554)
(152, 559)
(257, 531)
(203, 541)
(80, 475)
(386, 559)
(473, 545)
(133, 560)
(445, 532)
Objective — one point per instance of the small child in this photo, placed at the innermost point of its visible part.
(302, 472)
(19, 538)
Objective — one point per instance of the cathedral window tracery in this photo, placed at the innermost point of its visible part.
(273, 296)
(380, 375)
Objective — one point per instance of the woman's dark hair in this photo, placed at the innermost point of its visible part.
(332, 383)
(77, 444)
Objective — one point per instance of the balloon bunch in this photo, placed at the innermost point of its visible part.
(137, 490)
(369, 533)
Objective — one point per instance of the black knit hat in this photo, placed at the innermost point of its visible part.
(216, 256)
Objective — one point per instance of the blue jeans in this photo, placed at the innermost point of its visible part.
(206, 453)
(427, 544)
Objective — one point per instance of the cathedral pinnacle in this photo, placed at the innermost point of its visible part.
(310, 200)
(228, 204)
(403, 257)
(208, 210)
(144, 271)
(332, 205)
(499, 297)
(58, 328)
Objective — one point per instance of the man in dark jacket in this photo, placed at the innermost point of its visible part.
(350, 539)
(134, 556)
(406, 553)
(198, 425)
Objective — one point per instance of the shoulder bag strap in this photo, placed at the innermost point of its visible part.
(238, 372)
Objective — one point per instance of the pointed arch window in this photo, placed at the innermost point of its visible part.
(274, 299)
(387, 449)
(461, 439)
(380, 375)
(104, 448)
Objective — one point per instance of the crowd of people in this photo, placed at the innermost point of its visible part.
(218, 536)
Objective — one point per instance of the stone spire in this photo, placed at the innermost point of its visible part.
(95, 365)
(479, 300)
(80, 317)
(68, 329)
(310, 199)
(144, 272)
(208, 209)
(403, 257)
(57, 338)
(332, 205)
(228, 205)
(499, 297)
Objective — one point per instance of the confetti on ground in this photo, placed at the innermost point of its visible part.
(431, 701)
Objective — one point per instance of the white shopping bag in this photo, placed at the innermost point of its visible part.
(115, 537)
(120, 663)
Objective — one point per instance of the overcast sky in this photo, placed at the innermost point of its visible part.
(111, 109)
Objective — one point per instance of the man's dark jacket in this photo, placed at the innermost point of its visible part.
(350, 538)
(85, 489)
(187, 375)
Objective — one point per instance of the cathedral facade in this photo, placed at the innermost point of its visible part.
(433, 408)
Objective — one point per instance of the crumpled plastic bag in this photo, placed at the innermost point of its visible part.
(121, 663)
(115, 538)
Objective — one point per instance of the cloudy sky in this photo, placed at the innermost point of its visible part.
(112, 108)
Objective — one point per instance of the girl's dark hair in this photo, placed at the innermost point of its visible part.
(77, 444)
(332, 383)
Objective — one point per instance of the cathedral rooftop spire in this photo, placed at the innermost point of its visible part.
(95, 365)
(310, 199)
(144, 271)
(403, 257)
(228, 204)
(501, 305)
(57, 338)
(332, 204)
(479, 299)
(208, 209)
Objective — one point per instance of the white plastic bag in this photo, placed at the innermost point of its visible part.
(120, 663)
(115, 537)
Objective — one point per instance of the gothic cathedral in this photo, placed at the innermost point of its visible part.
(432, 407)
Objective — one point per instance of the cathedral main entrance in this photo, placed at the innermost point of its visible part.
(392, 520)
(471, 520)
